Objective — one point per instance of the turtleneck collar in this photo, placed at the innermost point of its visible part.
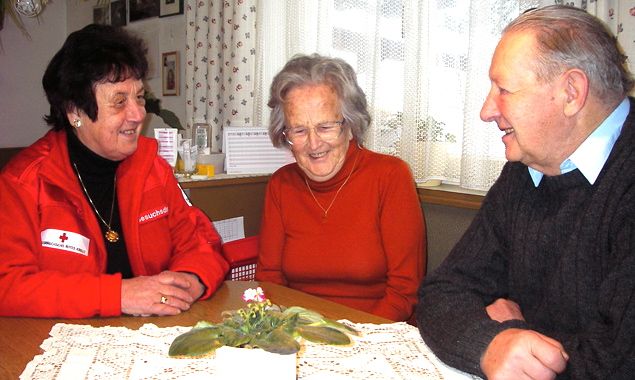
(89, 163)
(351, 162)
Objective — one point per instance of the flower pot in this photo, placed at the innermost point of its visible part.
(244, 363)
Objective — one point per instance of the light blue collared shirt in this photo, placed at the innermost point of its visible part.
(592, 154)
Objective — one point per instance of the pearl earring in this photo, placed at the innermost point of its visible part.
(77, 123)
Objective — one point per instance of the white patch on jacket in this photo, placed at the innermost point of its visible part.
(148, 216)
(65, 240)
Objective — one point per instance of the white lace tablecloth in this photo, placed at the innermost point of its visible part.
(387, 351)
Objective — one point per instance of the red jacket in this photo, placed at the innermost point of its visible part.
(44, 209)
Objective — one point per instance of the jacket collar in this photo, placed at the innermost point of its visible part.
(57, 169)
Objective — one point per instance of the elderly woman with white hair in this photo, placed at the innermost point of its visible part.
(342, 222)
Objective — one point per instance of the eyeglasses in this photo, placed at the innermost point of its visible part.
(327, 132)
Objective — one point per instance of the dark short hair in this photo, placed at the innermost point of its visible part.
(92, 55)
(316, 69)
(568, 37)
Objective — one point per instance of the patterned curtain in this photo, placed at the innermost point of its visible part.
(619, 16)
(220, 64)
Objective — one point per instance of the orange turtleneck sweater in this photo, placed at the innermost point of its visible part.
(367, 253)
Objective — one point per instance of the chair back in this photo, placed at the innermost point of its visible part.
(242, 255)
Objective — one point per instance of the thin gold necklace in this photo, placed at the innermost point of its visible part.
(111, 235)
(326, 210)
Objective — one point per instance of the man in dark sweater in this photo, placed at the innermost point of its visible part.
(542, 284)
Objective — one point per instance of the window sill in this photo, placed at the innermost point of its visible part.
(444, 194)
(223, 180)
(451, 195)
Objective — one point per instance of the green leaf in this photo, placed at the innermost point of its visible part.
(279, 342)
(196, 342)
(340, 326)
(310, 317)
(201, 324)
(170, 119)
(324, 335)
(153, 105)
(233, 337)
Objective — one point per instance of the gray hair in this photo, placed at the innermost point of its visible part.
(316, 69)
(569, 37)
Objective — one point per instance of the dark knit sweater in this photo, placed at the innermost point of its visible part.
(564, 251)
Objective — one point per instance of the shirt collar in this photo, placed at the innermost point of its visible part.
(592, 154)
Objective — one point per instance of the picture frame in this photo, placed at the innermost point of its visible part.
(170, 7)
(118, 13)
(170, 73)
(141, 9)
(101, 15)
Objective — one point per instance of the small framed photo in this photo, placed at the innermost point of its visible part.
(101, 15)
(170, 73)
(170, 7)
(141, 9)
(118, 13)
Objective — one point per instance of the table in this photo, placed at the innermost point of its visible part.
(20, 338)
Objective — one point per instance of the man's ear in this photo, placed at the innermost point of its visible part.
(576, 88)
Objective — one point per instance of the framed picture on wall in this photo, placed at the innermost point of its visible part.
(101, 15)
(140, 9)
(170, 7)
(170, 73)
(118, 12)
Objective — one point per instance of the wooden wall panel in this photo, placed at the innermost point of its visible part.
(223, 199)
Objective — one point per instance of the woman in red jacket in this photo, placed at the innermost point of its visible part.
(93, 221)
(343, 223)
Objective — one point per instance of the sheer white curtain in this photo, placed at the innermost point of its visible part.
(422, 64)
(220, 64)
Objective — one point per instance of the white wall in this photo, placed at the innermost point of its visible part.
(22, 64)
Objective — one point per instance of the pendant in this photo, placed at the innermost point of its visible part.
(112, 236)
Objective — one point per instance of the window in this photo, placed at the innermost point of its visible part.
(423, 66)
(422, 63)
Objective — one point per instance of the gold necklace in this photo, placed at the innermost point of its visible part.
(326, 211)
(111, 235)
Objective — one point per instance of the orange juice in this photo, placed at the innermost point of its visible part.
(205, 169)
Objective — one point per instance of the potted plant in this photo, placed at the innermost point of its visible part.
(153, 105)
(274, 329)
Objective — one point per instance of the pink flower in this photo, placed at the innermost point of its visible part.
(255, 295)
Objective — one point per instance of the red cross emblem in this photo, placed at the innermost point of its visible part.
(63, 237)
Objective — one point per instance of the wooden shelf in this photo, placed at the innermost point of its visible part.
(445, 195)
(224, 180)
(450, 198)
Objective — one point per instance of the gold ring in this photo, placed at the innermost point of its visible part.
(164, 299)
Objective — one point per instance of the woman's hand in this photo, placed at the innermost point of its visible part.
(167, 293)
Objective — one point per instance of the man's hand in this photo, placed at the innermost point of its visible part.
(167, 293)
(523, 354)
(503, 310)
